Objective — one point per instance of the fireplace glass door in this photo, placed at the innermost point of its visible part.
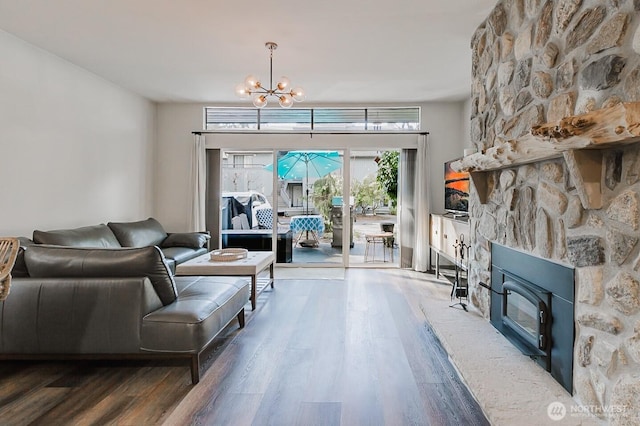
(523, 313)
(526, 313)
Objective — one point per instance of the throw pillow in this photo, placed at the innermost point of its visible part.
(265, 218)
(194, 240)
(139, 234)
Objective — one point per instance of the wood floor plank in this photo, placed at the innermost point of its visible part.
(319, 414)
(108, 411)
(288, 387)
(247, 366)
(419, 348)
(32, 406)
(400, 395)
(231, 409)
(455, 402)
(19, 378)
(360, 395)
(328, 349)
(159, 400)
(282, 402)
(271, 336)
(77, 401)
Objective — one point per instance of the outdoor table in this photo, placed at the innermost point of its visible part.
(379, 238)
(313, 223)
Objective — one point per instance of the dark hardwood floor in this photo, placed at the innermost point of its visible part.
(315, 352)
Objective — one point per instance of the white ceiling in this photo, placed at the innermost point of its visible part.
(359, 51)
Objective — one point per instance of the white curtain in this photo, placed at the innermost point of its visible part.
(198, 184)
(422, 207)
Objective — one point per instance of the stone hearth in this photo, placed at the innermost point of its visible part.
(537, 62)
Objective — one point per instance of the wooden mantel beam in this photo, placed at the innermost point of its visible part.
(577, 138)
(604, 128)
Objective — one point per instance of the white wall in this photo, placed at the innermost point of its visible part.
(175, 124)
(467, 124)
(75, 149)
(445, 121)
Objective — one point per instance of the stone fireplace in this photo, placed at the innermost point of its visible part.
(554, 119)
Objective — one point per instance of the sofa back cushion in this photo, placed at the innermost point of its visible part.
(87, 236)
(71, 262)
(139, 234)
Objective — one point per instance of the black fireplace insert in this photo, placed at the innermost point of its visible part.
(526, 318)
(532, 305)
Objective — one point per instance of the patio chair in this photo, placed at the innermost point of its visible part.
(8, 252)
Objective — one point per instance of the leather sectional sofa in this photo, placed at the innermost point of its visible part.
(89, 293)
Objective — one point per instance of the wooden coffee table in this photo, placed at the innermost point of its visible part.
(252, 265)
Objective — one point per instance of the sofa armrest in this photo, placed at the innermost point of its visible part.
(80, 315)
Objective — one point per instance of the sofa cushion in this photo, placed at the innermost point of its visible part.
(139, 234)
(186, 239)
(87, 236)
(203, 308)
(71, 262)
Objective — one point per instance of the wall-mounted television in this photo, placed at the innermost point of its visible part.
(456, 189)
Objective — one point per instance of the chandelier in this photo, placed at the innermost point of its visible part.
(252, 88)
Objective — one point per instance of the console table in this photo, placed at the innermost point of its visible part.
(445, 231)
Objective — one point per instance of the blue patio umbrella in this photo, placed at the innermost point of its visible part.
(301, 164)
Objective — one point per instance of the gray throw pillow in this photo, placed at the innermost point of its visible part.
(139, 234)
(193, 240)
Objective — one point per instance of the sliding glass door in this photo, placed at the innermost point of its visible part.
(373, 207)
(298, 201)
(246, 204)
(309, 188)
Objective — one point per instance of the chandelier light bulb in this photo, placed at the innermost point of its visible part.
(283, 84)
(252, 88)
(298, 94)
(286, 101)
(243, 91)
(260, 101)
(252, 81)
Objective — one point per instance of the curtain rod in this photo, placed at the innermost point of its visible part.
(311, 133)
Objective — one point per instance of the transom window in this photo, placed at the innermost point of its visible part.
(330, 119)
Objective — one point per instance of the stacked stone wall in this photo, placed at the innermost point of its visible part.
(537, 61)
